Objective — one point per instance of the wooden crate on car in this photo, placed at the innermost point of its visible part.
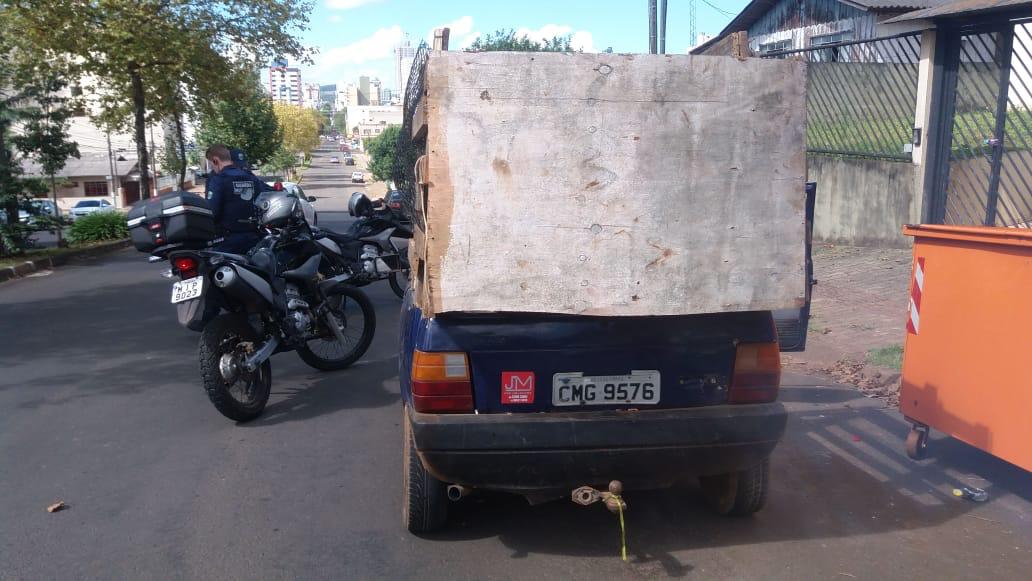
(607, 184)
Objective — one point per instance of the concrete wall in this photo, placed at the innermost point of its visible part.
(863, 202)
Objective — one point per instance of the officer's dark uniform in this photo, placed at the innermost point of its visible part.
(231, 195)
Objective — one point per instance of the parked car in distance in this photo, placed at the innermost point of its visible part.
(334, 159)
(42, 207)
(393, 200)
(357, 177)
(348, 160)
(87, 207)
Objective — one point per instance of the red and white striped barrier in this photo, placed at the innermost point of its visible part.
(916, 288)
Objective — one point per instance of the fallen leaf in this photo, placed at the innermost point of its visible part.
(59, 505)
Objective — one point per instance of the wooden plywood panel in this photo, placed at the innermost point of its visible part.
(613, 184)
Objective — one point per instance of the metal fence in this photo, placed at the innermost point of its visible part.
(861, 96)
(409, 151)
(989, 94)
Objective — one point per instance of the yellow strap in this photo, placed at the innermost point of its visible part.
(623, 534)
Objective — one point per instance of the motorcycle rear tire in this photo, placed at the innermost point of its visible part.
(368, 331)
(213, 345)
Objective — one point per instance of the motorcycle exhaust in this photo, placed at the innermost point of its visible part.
(238, 285)
(457, 492)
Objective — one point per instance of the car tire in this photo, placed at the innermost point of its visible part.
(739, 493)
(425, 504)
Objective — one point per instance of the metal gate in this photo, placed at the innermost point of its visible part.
(988, 94)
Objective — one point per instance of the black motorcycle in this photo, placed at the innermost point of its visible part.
(274, 299)
(368, 251)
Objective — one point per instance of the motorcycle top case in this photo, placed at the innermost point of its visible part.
(174, 218)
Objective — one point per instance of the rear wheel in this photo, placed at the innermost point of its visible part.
(424, 507)
(738, 493)
(355, 317)
(238, 394)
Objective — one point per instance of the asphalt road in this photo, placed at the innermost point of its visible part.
(101, 407)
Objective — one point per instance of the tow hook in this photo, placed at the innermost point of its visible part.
(613, 500)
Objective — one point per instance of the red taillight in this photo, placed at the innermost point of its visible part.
(441, 383)
(186, 266)
(757, 373)
(395, 205)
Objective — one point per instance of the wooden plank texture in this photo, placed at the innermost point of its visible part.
(604, 184)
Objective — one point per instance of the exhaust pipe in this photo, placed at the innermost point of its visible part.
(457, 492)
(227, 279)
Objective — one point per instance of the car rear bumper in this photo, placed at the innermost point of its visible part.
(534, 452)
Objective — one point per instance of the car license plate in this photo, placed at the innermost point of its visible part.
(575, 389)
(185, 290)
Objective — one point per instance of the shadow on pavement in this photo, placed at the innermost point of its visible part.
(839, 472)
(366, 384)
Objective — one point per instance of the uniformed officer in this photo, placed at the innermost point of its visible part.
(231, 193)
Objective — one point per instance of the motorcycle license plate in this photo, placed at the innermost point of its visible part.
(185, 290)
(574, 389)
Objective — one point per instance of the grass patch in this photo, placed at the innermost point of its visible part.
(890, 357)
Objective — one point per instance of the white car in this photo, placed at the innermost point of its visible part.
(87, 207)
(357, 177)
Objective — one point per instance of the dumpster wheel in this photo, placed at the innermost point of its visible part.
(917, 442)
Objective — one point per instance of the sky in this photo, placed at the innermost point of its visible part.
(357, 37)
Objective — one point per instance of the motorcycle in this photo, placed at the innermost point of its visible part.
(367, 251)
(274, 299)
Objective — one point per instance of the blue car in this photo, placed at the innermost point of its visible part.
(539, 405)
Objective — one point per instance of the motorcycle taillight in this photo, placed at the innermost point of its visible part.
(186, 265)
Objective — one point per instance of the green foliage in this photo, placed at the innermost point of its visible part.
(282, 161)
(890, 357)
(383, 150)
(300, 127)
(246, 122)
(508, 41)
(98, 227)
(340, 121)
(158, 58)
(33, 123)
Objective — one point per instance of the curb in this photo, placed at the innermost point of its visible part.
(31, 266)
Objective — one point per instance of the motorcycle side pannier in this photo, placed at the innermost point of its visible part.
(176, 218)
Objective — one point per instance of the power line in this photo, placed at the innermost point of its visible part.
(721, 10)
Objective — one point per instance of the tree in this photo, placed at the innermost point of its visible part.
(246, 122)
(44, 135)
(507, 40)
(300, 127)
(33, 121)
(382, 151)
(136, 49)
(340, 121)
(282, 161)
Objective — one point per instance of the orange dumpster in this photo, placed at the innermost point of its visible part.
(967, 360)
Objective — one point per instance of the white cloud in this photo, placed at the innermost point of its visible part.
(348, 4)
(579, 40)
(460, 27)
(335, 18)
(470, 39)
(374, 52)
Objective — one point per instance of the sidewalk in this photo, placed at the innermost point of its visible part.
(857, 317)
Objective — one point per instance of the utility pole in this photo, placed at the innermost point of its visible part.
(662, 24)
(691, 21)
(652, 26)
(111, 167)
(154, 166)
